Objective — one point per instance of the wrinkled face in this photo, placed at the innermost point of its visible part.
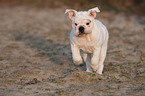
(82, 24)
(82, 21)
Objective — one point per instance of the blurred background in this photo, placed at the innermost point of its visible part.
(131, 6)
(35, 53)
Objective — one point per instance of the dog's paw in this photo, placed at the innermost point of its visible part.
(88, 71)
(78, 62)
(94, 67)
(99, 72)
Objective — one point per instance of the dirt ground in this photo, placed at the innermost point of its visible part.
(35, 55)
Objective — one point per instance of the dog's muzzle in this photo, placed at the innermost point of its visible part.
(81, 29)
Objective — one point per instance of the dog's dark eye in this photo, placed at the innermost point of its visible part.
(87, 23)
(76, 24)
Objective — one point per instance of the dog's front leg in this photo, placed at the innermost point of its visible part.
(87, 59)
(76, 54)
(95, 59)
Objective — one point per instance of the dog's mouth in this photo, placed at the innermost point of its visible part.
(82, 34)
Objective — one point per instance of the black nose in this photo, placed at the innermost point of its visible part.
(81, 29)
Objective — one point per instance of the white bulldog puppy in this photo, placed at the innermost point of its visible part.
(90, 36)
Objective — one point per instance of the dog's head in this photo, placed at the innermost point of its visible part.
(82, 21)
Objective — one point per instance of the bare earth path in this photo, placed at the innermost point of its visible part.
(35, 56)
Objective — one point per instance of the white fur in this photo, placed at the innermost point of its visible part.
(96, 9)
(93, 44)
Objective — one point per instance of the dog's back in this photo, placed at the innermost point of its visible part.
(102, 30)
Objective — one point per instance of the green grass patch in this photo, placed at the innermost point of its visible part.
(20, 88)
(123, 75)
(59, 91)
(1, 59)
(29, 88)
(36, 92)
(47, 89)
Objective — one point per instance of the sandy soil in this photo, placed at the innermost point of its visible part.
(35, 55)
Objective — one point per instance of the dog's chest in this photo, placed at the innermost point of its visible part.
(85, 44)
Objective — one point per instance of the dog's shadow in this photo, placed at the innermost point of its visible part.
(51, 49)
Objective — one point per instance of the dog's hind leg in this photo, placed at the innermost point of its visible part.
(102, 58)
(87, 59)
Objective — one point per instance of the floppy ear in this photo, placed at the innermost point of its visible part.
(71, 13)
(92, 12)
